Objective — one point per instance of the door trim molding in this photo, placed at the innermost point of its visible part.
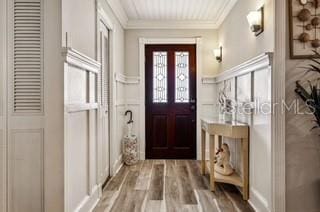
(278, 146)
(144, 41)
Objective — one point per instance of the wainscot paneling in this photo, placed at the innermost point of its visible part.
(249, 86)
(82, 74)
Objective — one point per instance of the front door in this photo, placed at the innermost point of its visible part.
(170, 101)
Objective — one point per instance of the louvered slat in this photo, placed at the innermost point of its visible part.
(27, 56)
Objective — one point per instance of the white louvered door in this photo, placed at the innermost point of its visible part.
(104, 112)
(25, 107)
(27, 57)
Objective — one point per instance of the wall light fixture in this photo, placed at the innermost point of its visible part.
(218, 54)
(256, 21)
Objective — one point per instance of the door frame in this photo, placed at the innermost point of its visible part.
(103, 17)
(177, 41)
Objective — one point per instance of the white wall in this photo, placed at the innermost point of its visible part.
(79, 21)
(238, 42)
(209, 42)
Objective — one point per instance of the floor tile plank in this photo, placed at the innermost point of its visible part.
(168, 186)
(143, 181)
(157, 185)
(185, 189)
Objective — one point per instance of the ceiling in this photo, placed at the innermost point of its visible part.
(159, 14)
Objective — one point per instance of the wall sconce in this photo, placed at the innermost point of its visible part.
(218, 54)
(256, 21)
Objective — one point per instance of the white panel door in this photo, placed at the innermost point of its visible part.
(103, 57)
(25, 106)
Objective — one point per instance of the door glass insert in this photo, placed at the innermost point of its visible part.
(160, 76)
(182, 77)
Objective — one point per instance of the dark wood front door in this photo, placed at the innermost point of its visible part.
(170, 101)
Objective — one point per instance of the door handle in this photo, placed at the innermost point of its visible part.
(192, 107)
(192, 101)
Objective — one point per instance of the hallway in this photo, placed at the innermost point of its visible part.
(170, 185)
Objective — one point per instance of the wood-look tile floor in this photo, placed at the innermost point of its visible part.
(167, 185)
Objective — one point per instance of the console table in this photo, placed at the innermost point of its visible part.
(216, 130)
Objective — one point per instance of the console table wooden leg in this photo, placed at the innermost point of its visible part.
(203, 152)
(245, 159)
(212, 156)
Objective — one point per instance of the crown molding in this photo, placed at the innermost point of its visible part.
(224, 12)
(119, 12)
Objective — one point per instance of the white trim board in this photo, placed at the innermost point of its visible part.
(278, 119)
(126, 79)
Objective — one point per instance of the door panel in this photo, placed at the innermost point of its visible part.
(160, 136)
(181, 135)
(170, 101)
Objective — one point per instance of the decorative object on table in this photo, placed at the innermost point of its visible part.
(304, 28)
(311, 95)
(223, 165)
(225, 105)
(130, 143)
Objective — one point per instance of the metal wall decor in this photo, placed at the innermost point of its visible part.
(304, 28)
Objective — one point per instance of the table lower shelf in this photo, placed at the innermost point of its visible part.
(233, 179)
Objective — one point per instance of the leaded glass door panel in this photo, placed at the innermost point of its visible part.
(170, 101)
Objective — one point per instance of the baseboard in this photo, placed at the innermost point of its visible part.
(90, 202)
(258, 202)
(142, 156)
(117, 165)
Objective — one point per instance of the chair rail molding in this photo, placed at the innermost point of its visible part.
(257, 63)
(126, 79)
(208, 80)
(79, 60)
